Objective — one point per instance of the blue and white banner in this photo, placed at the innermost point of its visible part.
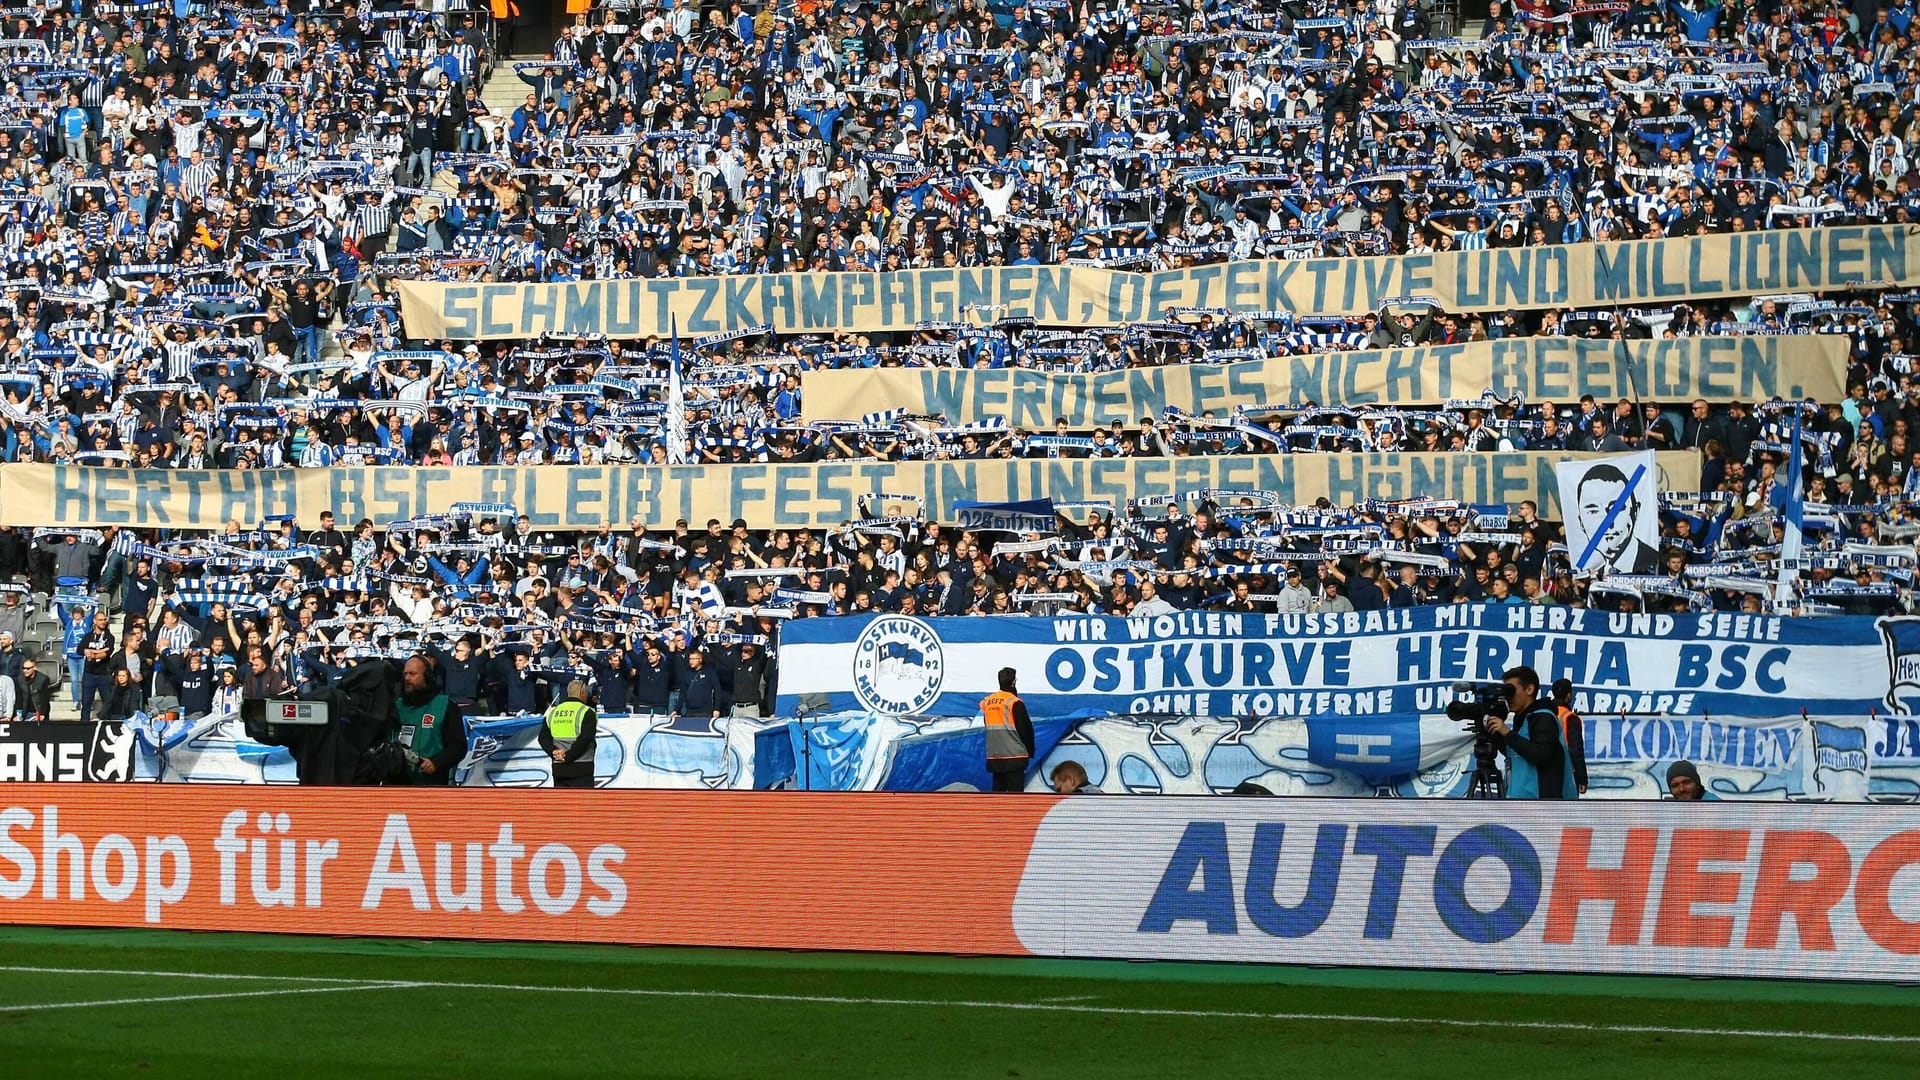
(632, 752)
(1027, 516)
(1397, 755)
(862, 752)
(1399, 661)
(1818, 758)
(827, 753)
(1774, 759)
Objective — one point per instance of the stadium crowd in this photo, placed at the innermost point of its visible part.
(204, 217)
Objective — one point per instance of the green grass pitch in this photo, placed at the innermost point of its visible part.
(79, 1003)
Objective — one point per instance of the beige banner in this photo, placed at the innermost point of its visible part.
(1560, 276)
(1719, 369)
(767, 496)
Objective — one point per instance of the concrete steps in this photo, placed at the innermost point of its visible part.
(504, 91)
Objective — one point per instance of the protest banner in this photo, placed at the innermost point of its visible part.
(772, 495)
(1548, 887)
(1613, 523)
(1561, 276)
(1537, 369)
(1355, 664)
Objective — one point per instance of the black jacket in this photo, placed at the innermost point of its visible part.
(330, 539)
(122, 702)
(34, 695)
(749, 678)
(702, 695)
(652, 683)
(1540, 746)
(462, 677)
(1575, 731)
(192, 687)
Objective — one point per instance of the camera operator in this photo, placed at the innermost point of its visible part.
(388, 723)
(1536, 755)
(433, 731)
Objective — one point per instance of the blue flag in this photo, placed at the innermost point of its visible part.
(1028, 516)
(1902, 638)
(676, 402)
(1793, 509)
(1380, 749)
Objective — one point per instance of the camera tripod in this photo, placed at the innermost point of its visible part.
(1487, 781)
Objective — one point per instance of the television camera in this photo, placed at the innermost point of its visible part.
(1473, 704)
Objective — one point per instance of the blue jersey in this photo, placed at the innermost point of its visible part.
(78, 621)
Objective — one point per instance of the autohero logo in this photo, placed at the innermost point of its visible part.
(1650, 887)
(898, 666)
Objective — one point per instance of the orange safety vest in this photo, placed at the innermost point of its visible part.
(1003, 735)
(1567, 718)
(505, 9)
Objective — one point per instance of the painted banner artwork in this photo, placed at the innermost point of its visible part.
(1857, 759)
(1864, 758)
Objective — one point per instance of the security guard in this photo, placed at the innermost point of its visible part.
(1009, 735)
(567, 737)
(1573, 732)
(506, 18)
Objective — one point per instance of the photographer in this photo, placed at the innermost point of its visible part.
(1536, 754)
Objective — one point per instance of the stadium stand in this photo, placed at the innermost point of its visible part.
(208, 211)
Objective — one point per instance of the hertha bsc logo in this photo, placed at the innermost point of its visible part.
(897, 666)
(1902, 638)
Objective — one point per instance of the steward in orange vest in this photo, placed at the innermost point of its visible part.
(1009, 735)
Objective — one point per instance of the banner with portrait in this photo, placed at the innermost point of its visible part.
(819, 495)
(1612, 512)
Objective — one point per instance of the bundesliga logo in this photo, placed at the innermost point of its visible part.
(897, 666)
